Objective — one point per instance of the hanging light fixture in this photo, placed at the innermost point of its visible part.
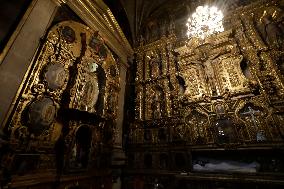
(205, 21)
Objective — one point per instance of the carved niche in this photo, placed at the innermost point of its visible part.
(198, 123)
(269, 23)
(79, 155)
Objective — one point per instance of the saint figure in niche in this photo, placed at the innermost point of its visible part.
(155, 66)
(90, 88)
(210, 75)
(271, 32)
(157, 105)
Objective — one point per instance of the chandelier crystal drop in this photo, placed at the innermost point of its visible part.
(204, 22)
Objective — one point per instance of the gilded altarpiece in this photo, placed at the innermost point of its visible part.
(225, 91)
(154, 80)
(71, 94)
(232, 78)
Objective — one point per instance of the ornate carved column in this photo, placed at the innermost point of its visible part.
(139, 87)
(118, 154)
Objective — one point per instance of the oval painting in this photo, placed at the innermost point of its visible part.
(56, 76)
(68, 34)
(91, 92)
(41, 114)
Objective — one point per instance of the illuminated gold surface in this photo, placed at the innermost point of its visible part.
(57, 51)
(216, 87)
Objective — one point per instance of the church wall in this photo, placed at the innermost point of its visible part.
(16, 63)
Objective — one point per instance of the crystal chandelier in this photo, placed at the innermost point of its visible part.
(204, 22)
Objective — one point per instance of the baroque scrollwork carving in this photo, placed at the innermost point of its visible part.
(224, 89)
(197, 121)
(74, 83)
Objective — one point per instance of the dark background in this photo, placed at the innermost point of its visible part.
(11, 12)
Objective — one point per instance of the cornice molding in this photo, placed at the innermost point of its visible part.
(59, 2)
(99, 17)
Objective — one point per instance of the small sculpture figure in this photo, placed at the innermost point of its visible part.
(156, 108)
(155, 66)
(271, 31)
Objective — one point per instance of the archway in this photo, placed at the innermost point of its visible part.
(81, 149)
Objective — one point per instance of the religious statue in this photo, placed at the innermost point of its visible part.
(210, 79)
(156, 104)
(88, 94)
(205, 72)
(155, 66)
(90, 87)
(271, 31)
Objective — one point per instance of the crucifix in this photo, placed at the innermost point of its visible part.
(210, 72)
(252, 113)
